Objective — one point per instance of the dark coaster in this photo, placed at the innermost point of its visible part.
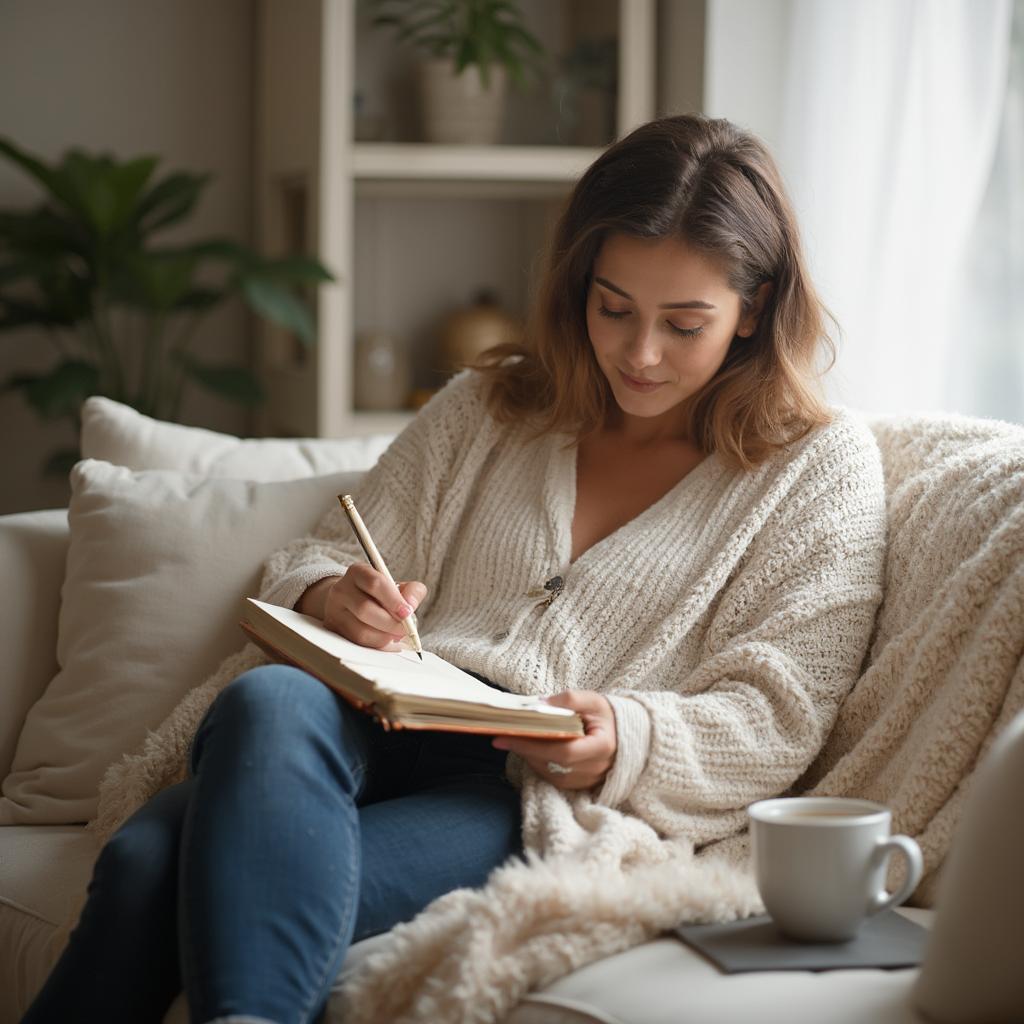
(755, 944)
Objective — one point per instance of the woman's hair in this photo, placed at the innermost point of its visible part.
(715, 187)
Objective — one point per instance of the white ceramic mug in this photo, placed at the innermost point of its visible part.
(820, 864)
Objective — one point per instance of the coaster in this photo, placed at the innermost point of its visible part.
(755, 944)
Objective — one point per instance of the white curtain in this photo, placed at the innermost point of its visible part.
(891, 113)
(989, 297)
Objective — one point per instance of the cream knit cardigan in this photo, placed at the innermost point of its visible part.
(725, 624)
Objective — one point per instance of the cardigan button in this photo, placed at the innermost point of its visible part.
(501, 637)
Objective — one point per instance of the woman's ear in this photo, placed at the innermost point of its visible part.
(748, 322)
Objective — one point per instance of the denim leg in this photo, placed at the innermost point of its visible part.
(449, 835)
(121, 960)
(270, 858)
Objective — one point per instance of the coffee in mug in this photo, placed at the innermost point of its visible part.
(820, 864)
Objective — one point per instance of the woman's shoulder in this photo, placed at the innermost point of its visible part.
(838, 462)
(846, 430)
(455, 412)
(462, 397)
(848, 435)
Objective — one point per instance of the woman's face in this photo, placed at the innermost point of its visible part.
(661, 317)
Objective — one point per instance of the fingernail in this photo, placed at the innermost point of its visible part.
(404, 611)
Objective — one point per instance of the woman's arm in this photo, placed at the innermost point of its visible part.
(785, 646)
(399, 498)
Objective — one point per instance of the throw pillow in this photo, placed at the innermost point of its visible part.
(157, 566)
(117, 433)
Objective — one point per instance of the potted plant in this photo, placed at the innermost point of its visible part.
(471, 48)
(119, 308)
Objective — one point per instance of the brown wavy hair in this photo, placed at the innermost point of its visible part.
(715, 187)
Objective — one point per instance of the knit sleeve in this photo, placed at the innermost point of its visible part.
(398, 498)
(784, 646)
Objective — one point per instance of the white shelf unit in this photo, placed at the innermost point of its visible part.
(411, 229)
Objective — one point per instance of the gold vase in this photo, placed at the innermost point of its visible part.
(469, 332)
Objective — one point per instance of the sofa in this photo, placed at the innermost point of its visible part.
(119, 604)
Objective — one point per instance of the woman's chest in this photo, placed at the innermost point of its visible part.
(542, 512)
(615, 487)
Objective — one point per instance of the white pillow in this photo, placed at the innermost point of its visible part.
(117, 433)
(157, 566)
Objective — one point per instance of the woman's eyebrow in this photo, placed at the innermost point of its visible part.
(692, 304)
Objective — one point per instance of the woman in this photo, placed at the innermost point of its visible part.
(643, 512)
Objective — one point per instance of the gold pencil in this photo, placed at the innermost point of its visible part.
(366, 541)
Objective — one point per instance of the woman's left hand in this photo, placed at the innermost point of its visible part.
(588, 757)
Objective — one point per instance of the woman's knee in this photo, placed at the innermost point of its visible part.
(274, 695)
(272, 707)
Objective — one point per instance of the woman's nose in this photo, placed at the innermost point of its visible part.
(643, 349)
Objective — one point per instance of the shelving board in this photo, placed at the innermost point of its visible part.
(416, 161)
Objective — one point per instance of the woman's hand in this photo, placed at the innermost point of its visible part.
(362, 606)
(589, 757)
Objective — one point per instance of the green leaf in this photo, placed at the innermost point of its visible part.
(232, 382)
(275, 302)
(43, 232)
(472, 32)
(238, 256)
(60, 462)
(129, 182)
(170, 200)
(104, 191)
(294, 270)
(59, 392)
(91, 180)
(198, 299)
(16, 312)
(155, 280)
(48, 177)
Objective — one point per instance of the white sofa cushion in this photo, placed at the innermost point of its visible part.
(157, 565)
(117, 433)
(33, 549)
(42, 874)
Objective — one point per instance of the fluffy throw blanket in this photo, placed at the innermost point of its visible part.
(943, 677)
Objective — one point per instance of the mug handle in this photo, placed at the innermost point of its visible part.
(915, 868)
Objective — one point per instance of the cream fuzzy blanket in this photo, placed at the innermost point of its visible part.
(944, 676)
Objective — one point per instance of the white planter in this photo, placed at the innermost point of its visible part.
(457, 108)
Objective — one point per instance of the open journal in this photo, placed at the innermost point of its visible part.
(396, 687)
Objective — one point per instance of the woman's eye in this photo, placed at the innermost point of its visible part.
(686, 332)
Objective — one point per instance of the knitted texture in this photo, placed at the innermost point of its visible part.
(733, 614)
(946, 670)
(727, 623)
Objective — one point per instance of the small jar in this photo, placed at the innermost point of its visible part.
(383, 377)
(467, 333)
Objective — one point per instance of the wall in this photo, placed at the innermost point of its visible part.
(167, 77)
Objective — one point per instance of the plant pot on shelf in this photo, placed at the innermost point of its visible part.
(459, 109)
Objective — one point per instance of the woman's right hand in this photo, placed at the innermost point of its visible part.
(363, 606)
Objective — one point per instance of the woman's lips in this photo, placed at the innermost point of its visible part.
(643, 386)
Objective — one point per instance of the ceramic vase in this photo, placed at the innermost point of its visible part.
(458, 108)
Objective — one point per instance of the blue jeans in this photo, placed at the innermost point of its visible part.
(303, 826)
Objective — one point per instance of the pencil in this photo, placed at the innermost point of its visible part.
(366, 541)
